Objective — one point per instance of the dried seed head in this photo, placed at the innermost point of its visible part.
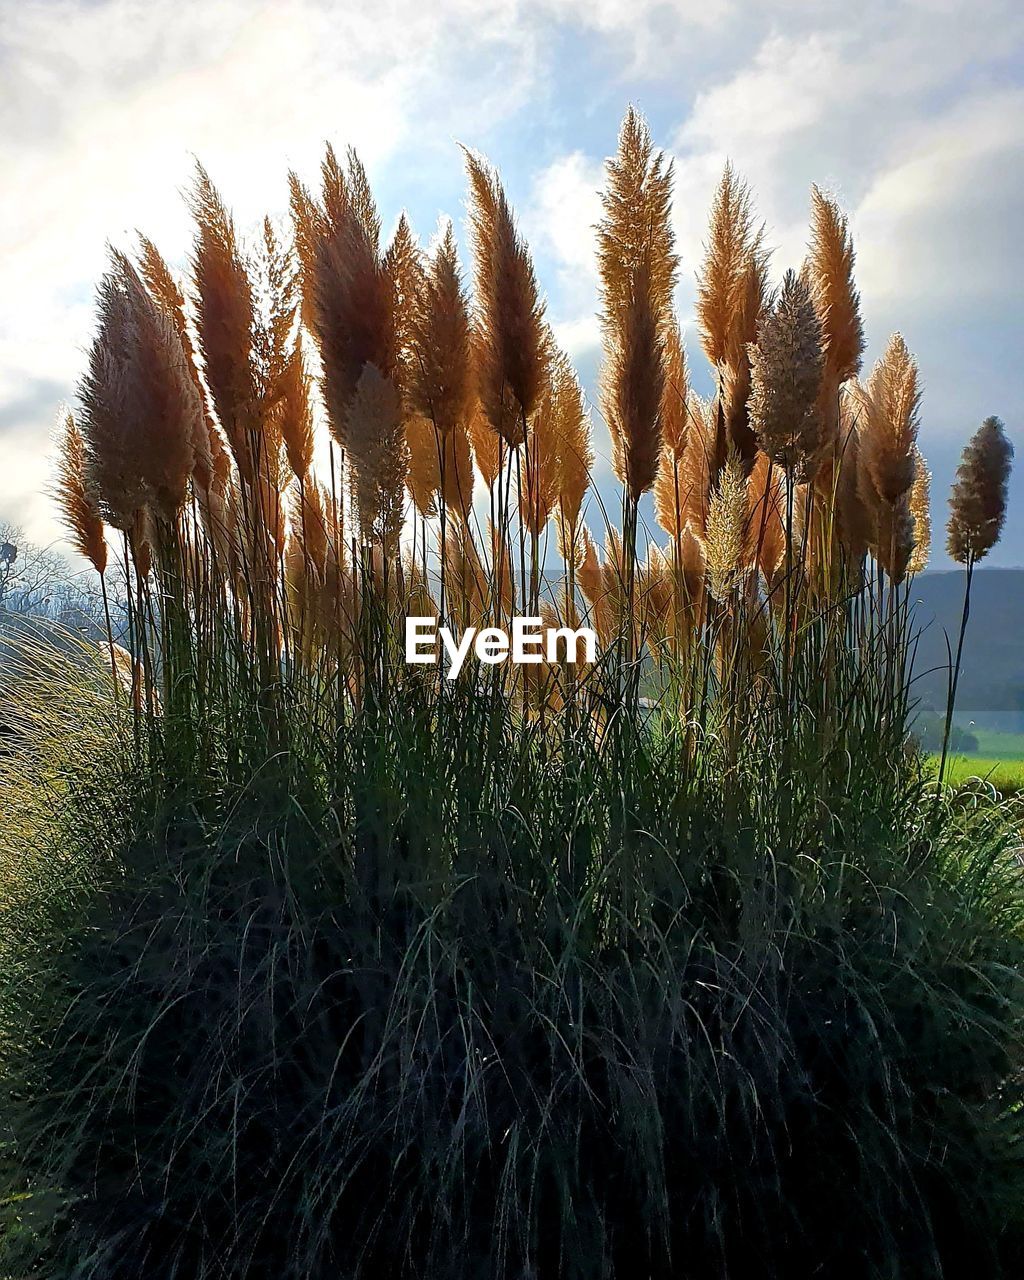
(509, 321)
(539, 491)
(376, 441)
(439, 373)
(699, 465)
(574, 446)
(733, 244)
(424, 476)
(735, 369)
(638, 267)
(293, 413)
(78, 507)
(669, 489)
(140, 408)
(225, 319)
(888, 417)
(830, 273)
(486, 446)
(674, 416)
(352, 302)
(920, 511)
(978, 500)
(786, 365)
(726, 535)
(854, 511)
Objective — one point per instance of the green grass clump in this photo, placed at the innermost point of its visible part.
(437, 994)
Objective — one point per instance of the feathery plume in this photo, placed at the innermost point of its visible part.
(889, 420)
(723, 279)
(486, 446)
(786, 364)
(697, 469)
(920, 512)
(726, 534)
(353, 294)
(78, 508)
(378, 451)
(423, 479)
(509, 322)
(574, 445)
(853, 507)
(403, 264)
(637, 266)
(211, 464)
(140, 408)
(540, 480)
(736, 369)
(225, 318)
(293, 413)
(669, 487)
(978, 499)
(829, 269)
(674, 413)
(307, 228)
(440, 385)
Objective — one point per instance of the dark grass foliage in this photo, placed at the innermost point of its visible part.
(402, 1025)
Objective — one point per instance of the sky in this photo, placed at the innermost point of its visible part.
(911, 112)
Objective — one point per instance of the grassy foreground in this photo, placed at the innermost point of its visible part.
(438, 997)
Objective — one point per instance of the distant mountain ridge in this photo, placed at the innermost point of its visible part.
(991, 691)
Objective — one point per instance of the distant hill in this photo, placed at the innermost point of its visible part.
(991, 691)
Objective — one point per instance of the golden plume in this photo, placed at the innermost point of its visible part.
(730, 297)
(888, 417)
(78, 508)
(486, 446)
(403, 263)
(294, 413)
(440, 384)
(637, 266)
(725, 538)
(509, 319)
(423, 479)
(829, 271)
(674, 413)
(920, 511)
(225, 318)
(722, 280)
(574, 446)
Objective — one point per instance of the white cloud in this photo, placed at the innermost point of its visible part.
(560, 222)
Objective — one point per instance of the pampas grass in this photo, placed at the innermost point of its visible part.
(570, 971)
